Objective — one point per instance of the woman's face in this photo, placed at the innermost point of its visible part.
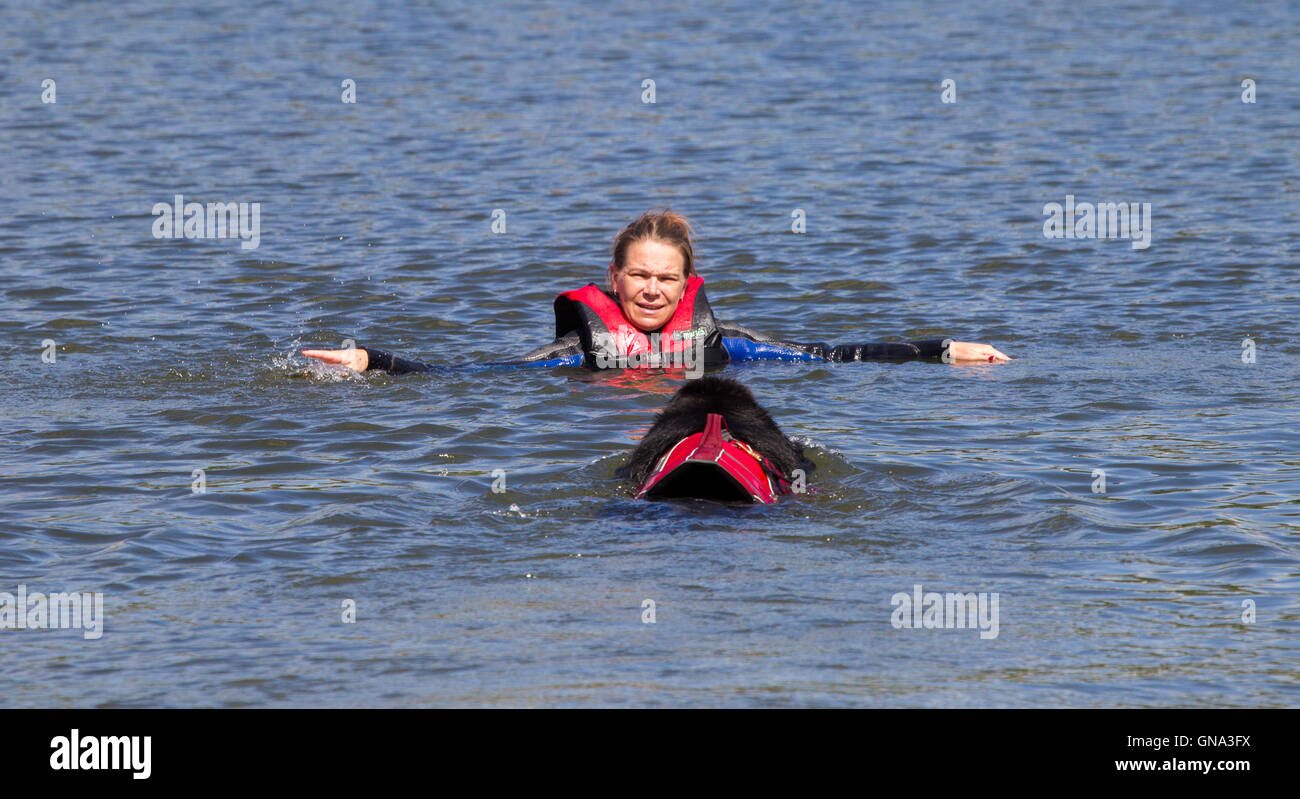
(650, 284)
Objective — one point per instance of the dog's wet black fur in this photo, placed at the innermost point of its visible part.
(688, 411)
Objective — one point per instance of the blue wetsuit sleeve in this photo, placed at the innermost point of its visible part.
(744, 344)
(740, 348)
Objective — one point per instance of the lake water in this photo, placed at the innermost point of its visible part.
(1176, 585)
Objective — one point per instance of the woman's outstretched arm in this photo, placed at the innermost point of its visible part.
(743, 344)
(363, 358)
(565, 351)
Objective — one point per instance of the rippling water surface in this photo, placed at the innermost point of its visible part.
(924, 219)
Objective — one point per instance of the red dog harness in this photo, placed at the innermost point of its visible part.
(712, 459)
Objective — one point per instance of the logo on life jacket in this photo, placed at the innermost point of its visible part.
(690, 339)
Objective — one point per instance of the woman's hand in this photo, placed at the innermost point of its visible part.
(357, 359)
(967, 352)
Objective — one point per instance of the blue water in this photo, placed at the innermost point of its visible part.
(923, 219)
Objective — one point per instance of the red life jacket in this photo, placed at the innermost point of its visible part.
(712, 464)
(611, 341)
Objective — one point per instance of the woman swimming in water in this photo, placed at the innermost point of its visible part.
(657, 315)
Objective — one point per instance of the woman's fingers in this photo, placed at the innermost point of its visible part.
(357, 359)
(328, 356)
(970, 352)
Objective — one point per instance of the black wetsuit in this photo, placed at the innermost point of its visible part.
(740, 343)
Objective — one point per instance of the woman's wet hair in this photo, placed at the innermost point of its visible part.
(666, 226)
